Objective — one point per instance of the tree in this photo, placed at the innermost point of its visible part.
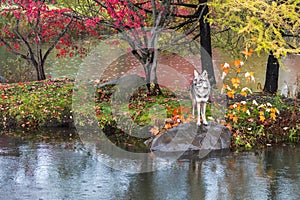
(150, 18)
(205, 41)
(193, 17)
(125, 18)
(192, 21)
(272, 73)
(32, 29)
(269, 26)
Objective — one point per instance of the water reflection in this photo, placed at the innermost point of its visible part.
(30, 170)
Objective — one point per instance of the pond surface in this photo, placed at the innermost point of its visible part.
(167, 65)
(62, 170)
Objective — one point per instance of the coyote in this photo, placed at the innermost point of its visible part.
(200, 91)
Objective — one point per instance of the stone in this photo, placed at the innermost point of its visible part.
(127, 81)
(124, 87)
(189, 136)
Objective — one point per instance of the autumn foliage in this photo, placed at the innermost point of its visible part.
(32, 29)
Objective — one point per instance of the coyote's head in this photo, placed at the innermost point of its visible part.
(201, 84)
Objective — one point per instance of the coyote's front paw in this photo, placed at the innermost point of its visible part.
(205, 123)
(198, 123)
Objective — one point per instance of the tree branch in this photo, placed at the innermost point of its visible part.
(16, 29)
(57, 40)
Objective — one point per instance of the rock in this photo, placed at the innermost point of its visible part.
(125, 81)
(124, 87)
(188, 136)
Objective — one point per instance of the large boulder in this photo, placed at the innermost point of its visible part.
(189, 136)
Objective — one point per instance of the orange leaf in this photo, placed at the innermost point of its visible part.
(262, 118)
(175, 112)
(229, 126)
(273, 116)
(237, 63)
(175, 124)
(180, 109)
(168, 126)
(247, 53)
(238, 106)
(181, 118)
(186, 110)
(235, 82)
(230, 94)
(243, 93)
(230, 116)
(225, 68)
(235, 119)
(244, 108)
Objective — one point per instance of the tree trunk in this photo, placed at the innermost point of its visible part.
(151, 76)
(272, 74)
(148, 57)
(40, 72)
(205, 42)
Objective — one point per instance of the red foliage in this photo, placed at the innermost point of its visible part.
(133, 14)
(36, 23)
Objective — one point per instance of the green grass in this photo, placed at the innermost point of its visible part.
(32, 105)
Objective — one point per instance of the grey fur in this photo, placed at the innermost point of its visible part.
(200, 91)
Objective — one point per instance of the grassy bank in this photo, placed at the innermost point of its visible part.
(32, 105)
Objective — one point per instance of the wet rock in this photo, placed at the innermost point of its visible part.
(126, 82)
(124, 87)
(189, 136)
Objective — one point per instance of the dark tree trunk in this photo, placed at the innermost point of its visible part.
(205, 42)
(149, 62)
(151, 80)
(40, 73)
(272, 74)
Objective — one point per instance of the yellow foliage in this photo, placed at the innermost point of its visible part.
(259, 24)
(245, 108)
(230, 94)
(235, 119)
(273, 116)
(262, 118)
(243, 93)
(235, 82)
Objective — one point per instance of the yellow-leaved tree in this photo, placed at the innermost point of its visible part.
(261, 25)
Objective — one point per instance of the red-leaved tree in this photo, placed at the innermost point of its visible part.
(140, 22)
(32, 29)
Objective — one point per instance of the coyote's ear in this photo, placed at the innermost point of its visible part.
(204, 74)
(196, 73)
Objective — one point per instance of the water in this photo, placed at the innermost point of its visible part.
(167, 66)
(59, 170)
